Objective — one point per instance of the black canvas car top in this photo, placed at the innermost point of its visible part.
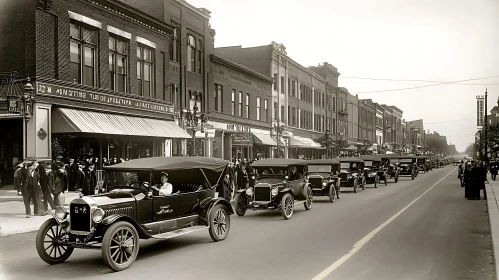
(170, 163)
(323, 161)
(350, 159)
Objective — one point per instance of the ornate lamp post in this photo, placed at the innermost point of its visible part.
(195, 121)
(27, 110)
(278, 131)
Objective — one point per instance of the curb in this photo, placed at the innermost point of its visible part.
(10, 232)
(11, 198)
(493, 209)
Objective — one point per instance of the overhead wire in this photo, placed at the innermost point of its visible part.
(412, 80)
(451, 121)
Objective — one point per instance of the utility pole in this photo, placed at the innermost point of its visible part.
(485, 130)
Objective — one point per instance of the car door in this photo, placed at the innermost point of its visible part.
(188, 203)
(166, 207)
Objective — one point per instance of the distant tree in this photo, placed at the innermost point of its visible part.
(334, 146)
(492, 139)
(470, 150)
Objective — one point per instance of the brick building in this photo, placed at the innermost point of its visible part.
(104, 83)
(367, 122)
(240, 111)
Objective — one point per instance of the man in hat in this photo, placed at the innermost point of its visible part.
(30, 190)
(19, 177)
(90, 180)
(164, 188)
(79, 176)
(60, 182)
(47, 184)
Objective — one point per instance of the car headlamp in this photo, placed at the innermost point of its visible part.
(249, 191)
(324, 184)
(98, 215)
(274, 191)
(253, 177)
(61, 213)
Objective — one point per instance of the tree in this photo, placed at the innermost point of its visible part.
(333, 145)
(492, 139)
(470, 150)
(365, 148)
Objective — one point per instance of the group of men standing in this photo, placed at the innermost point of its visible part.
(473, 176)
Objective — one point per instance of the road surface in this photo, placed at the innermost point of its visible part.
(421, 229)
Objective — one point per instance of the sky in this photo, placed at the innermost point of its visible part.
(432, 41)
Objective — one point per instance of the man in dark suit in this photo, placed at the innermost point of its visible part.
(79, 177)
(72, 174)
(60, 182)
(30, 190)
(47, 184)
(90, 180)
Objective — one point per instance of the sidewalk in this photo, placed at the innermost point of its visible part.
(493, 209)
(13, 218)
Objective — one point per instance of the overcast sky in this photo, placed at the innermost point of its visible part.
(431, 40)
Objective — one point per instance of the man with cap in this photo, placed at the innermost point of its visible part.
(164, 188)
(90, 180)
(79, 177)
(60, 182)
(30, 190)
(19, 176)
(47, 184)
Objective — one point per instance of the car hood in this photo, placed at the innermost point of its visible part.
(114, 197)
(272, 181)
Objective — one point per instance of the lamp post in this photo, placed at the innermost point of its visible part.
(194, 120)
(278, 131)
(26, 110)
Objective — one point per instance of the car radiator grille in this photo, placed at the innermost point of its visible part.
(122, 210)
(315, 182)
(262, 193)
(343, 176)
(80, 217)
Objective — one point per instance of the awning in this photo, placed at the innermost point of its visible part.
(302, 142)
(66, 120)
(264, 139)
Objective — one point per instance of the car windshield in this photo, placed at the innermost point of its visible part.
(115, 179)
(422, 160)
(345, 165)
(395, 160)
(368, 163)
(319, 168)
(272, 171)
(406, 160)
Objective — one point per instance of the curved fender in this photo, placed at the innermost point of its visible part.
(108, 221)
(286, 190)
(207, 205)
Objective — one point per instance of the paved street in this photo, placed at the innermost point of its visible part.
(440, 236)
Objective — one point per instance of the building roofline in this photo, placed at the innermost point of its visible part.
(238, 66)
(200, 11)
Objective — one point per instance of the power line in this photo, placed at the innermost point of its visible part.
(418, 87)
(451, 121)
(424, 81)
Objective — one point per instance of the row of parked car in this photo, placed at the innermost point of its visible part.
(131, 209)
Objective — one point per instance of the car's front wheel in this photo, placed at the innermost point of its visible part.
(355, 186)
(310, 198)
(120, 246)
(48, 243)
(376, 182)
(287, 206)
(332, 193)
(241, 204)
(219, 223)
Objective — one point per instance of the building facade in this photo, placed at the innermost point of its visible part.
(240, 111)
(353, 119)
(367, 123)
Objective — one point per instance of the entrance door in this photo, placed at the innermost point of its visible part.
(11, 148)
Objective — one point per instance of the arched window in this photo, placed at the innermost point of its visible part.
(200, 57)
(191, 54)
(174, 49)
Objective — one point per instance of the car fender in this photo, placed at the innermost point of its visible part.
(108, 221)
(286, 190)
(206, 207)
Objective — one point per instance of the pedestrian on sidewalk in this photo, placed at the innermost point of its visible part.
(60, 183)
(47, 184)
(73, 174)
(79, 177)
(468, 180)
(30, 190)
(19, 177)
(493, 169)
(90, 180)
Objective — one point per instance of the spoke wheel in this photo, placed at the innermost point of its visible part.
(287, 206)
(310, 199)
(355, 186)
(49, 240)
(120, 246)
(219, 223)
(241, 204)
(332, 193)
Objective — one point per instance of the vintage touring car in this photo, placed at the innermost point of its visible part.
(422, 164)
(323, 177)
(132, 209)
(352, 173)
(390, 166)
(407, 166)
(280, 184)
(373, 170)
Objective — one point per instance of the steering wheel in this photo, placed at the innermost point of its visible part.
(138, 185)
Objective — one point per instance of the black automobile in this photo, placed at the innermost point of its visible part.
(323, 178)
(131, 209)
(373, 170)
(352, 173)
(279, 184)
(389, 167)
(408, 167)
(422, 164)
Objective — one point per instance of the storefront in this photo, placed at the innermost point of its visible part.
(83, 123)
(304, 148)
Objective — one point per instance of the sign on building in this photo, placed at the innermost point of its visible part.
(480, 110)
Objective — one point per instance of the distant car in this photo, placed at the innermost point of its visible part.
(352, 173)
(114, 221)
(390, 166)
(408, 167)
(457, 162)
(372, 170)
(422, 164)
(323, 178)
(276, 188)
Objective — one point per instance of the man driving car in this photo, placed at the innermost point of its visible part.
(164, 188)
(295, 174)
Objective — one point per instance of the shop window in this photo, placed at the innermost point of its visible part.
(175, 46)
(118, 63)
(83, 49)
(145, 68)
(191, 53)
(218, 97)
(247, 105)
(240, 104)
(258, 108)
(233, 107)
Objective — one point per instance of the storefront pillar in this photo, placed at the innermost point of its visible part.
(37, 133)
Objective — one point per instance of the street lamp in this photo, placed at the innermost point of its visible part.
(278, 131)
(194, 120)
(27, 109)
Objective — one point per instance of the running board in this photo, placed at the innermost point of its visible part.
(178, 232)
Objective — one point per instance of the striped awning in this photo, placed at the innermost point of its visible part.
(264, 139)
(65, 120)
(302, 142)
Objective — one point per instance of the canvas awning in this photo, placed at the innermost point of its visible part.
(302, 142)
(65, 120)
(264, 139)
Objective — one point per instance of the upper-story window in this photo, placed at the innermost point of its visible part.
(240, 104)
(83, 50)
(199, 63)
(276, 82)
(282, 84)
(118, 63)
(191, 53)
(145, 68)
(247, 103)
(218, 97)
(266, 108)
(175, 46)
(258, 108)
(233, 107)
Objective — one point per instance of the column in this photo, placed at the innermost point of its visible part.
(37, 136)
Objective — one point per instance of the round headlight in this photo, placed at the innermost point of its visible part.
(253, 177)
(98, 215)
(274, 191)
(60, 213)
(249, 191)
(324, 184)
